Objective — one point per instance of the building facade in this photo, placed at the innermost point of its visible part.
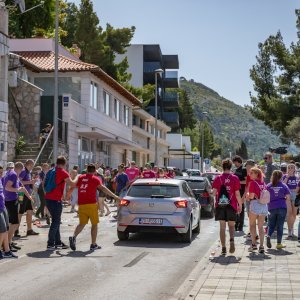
(143, 61)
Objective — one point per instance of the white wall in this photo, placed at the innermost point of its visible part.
(175, 140)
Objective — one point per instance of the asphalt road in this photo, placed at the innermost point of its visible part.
(148, 266)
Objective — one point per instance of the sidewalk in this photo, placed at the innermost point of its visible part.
(245, 275)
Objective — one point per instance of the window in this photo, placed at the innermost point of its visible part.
(134, 120)
(85, 145)
(106, 103)
(142, 124)
(117, 109)
(126, 115)
(94, 95)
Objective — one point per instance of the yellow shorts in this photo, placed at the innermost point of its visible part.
(88, 212)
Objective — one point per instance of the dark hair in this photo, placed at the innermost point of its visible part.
(61, 160)
(76, 167)
(226, 164)
(1, 168)
(237, 158)
(276, 177)
(91, 168)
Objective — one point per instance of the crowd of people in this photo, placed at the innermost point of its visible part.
(270, 194)
(263, 194)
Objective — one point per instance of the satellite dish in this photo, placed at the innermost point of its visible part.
(21, 4)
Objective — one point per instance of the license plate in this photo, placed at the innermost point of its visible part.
(150, 221)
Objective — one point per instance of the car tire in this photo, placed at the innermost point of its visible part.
(123, 235)
(198, 228)
(211, 213)
(187, 237)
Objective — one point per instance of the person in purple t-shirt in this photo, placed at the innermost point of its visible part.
(26, 205)
(12, 187)
(279, 197)
(291, 181)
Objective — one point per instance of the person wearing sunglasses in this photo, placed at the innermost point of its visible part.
(270, 167)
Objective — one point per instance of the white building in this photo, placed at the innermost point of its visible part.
(95, 111)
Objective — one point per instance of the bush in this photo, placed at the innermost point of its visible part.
(20, 145)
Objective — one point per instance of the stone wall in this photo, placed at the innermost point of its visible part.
(27, 97)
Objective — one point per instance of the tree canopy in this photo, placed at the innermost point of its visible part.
(276, 82)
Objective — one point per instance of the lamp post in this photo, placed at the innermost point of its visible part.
(184, 148)
(202, 150)
(55, 117)
(157, 72)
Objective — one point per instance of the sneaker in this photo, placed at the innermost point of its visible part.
(248, 237)
(61, 246)
(51, 247)
(280, 246)
(94, 247)
(14, 246)
(224, 251)
(261, 250)
(31, 232)
(269, 245)
(232, 247)
(16, 234)
(252, 248)
(9, 254)
(72, 242)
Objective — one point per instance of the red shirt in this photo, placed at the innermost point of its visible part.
(255, 187)
(132, 173)
(232, 184)
(87, 189)
(149, 174)
(248, 180)
(58, 192)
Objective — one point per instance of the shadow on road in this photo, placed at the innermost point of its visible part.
(153, 240)
(280, 252)
(226, 260)
(59, 254)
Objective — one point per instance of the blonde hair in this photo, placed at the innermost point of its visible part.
(258, 172)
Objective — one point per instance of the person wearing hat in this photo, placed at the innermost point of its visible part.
(101, 195)
(12, 188)
(87, 185)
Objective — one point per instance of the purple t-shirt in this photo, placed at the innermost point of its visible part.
(25, 176)
(13, 177)
(2, 204)
(291, 182)
(277, 195)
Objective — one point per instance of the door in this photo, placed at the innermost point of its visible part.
(47, 110)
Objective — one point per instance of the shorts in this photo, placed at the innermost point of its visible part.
(12, 210)
(225, 213)
(258, 209)
(4, 223)
(25, 205)
(88, 212)
(293, 197)
(247, 204)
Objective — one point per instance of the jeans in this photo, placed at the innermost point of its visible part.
(55, 208)
(276, 217)
(42, 203)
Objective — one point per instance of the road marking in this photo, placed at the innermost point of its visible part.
(136, 260)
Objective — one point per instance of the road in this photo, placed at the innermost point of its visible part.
(148, 266)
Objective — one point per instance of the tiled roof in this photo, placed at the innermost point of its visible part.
(43, 61)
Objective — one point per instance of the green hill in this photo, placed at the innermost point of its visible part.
(230, 122)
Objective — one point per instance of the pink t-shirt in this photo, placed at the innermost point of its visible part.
(149, 174)
(255, 187)
(132, 173)
(232, 184)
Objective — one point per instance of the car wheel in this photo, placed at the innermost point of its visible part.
(123, 235)
(187, 237)
(198, 228)
(211, 214)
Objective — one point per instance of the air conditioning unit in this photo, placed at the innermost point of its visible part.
(12, 78)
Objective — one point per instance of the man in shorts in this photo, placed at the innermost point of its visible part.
(12, 187)
(88, 184)
(26, 205)
(226, 211)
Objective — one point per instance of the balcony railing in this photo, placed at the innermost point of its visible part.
(171, 96)
(150, 67)
(171, 118)
(171, 75)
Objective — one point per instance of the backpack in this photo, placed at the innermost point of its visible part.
(264, 195)
(224, 198)
(50, 183)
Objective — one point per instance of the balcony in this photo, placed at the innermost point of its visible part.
(171, 61)
(151, 66)
(171, 100)
(171, 79)
(171, 119)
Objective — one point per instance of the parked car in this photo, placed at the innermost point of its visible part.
(211, 175)
(202, 191)
(193, 172)
(159, 205)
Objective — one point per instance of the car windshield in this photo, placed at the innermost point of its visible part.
(193, 184)
(193, 173)
(148, 191)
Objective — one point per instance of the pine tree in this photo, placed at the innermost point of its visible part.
(187, 117)
(242, 150)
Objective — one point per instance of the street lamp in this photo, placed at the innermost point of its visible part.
(184, 148)
(157, 72)
(202, 150)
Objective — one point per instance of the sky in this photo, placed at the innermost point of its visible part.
(216, 40)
